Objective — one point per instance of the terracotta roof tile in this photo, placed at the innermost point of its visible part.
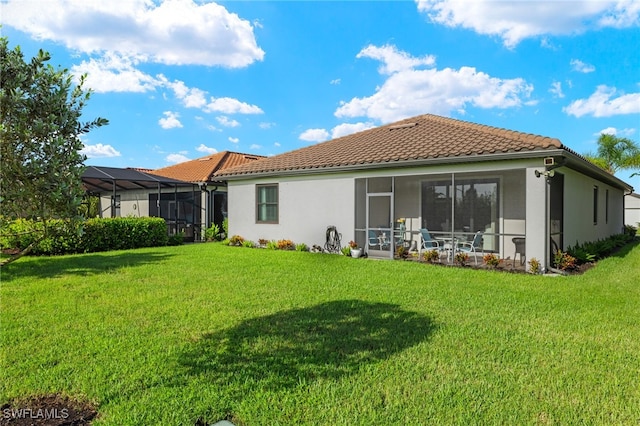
(417, 138)
(202, 169)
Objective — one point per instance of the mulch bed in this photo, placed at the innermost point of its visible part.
(50, 410)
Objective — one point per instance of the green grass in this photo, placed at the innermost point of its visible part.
(171, 335)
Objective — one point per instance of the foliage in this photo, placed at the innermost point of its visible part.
(592, 251)
(248, 244)
(212, 233)
(630, 230)
(236, 240)
(175, 239)
(564, 261)
(534, 266)
(431, 256)
(40, 142)
(286, 245)
(225, 227)
(346, 250)
(98, 234)
(491, 260)
(615, 153)
(462, 258)
(272, 245)
(402, 252)
(302, 247)
(263, 242)
(353, 244)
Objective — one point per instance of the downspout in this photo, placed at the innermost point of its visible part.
(113, 199)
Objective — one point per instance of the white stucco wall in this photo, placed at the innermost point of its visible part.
(632, 210)
(578, 208)
(306, 207)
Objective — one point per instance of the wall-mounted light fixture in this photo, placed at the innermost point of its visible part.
(546, 173)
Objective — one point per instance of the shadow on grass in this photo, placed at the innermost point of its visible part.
(81, 264)
(296, 346)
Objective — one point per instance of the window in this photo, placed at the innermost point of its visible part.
(606, 206)
(595, 204)
(267, 203)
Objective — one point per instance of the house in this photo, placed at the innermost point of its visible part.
(187, 195)
(632, 210)
(454, 178)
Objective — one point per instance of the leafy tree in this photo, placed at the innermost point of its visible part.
(615, 153)
(40, 144)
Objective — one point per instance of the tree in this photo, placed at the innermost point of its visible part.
(615, 153)
(40, 128)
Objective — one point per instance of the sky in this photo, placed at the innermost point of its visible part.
(181, 79)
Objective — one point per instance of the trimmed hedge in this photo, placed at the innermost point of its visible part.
(99, 234)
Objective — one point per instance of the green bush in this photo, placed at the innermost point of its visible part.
(99, 234)
(595, 250)
(212, 233)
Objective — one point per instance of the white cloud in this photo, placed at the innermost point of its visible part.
(335, 81)
(276, 144)
(409, 92)
(176, 158)
(174, 32)
(99, 151)
(265, 125)
(255, 146)
(394, 60)
(349, 128)
(114, 73)
(556, 89)
(580, 66)
(314, 135)
(613, 131)
(206, 149)
(233, 140)
(170, 121)
(231, 106)
(225, 121)
(602, 103)
(514, 21)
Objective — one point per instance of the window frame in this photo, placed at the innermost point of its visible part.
(259, 204)
(595, 204)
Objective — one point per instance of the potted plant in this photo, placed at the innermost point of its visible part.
(356, 252)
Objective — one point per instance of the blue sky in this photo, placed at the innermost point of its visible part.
(180, 79)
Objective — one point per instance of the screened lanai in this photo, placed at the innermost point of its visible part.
(452, 207)
(176, 201)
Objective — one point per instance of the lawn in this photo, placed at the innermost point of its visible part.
(172, 335)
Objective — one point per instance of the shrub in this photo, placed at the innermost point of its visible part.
(212, 233)
(564, 261)
(462, 258)
(236, 240)
(97, 234)
(225, 227)
(302, 247)
(176, 239)
(272, 245)
(286, 245)
(262, 242)
(402, 252)
(248, 244)
(431, 256)
(353, 244)
(491, 260)
(534, 266)
(346, 250)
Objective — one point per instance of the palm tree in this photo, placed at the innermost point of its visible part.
(615, 154)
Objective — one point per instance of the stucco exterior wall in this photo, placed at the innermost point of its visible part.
(578, 207)
(632, 210)
(306, 207)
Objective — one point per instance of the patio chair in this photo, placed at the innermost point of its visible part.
(376, 242)
(429, 243)
(471, 247)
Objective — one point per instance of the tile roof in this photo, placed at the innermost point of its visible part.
(418, 138)
(202, 169)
